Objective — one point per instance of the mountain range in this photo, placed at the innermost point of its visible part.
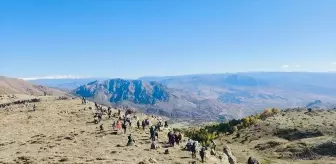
(209, 96)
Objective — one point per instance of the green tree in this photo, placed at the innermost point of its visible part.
(246, 121)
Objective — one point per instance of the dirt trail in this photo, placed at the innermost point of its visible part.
(60, 131)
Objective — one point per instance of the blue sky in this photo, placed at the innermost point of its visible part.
(133, 38)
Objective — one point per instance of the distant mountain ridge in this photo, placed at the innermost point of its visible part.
(67, 84)
(209, 95)
(118, 90)
(152, 98)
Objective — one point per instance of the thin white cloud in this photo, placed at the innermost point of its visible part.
(334, 63)
(284, 66)
(297, 66)
(55, 77)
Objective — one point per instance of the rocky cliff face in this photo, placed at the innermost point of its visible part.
(118, 90)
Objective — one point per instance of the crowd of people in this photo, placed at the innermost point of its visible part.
(124, 123)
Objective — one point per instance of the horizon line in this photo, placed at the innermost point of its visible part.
(55, 77)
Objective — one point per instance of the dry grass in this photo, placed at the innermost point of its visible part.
(59, 131)
(294, 136)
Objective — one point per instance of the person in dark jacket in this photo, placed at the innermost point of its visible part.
(202, 154)
(138, 124)
(124, 127)
(193, 150)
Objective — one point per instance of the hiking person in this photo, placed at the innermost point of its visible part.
(159, 125)
(138, 124)
(193, 150)
(118, 126)
(130, 141)
(168, 135)
(188, 145)
(109, 112)
(178, 138)
(100, 117)
(147, 121)
(213, 144)
(171, 138)
(152, 133)
(175, 138)
(113, 124)
(166, 124)
(129, 121)
(34, 108)
(143, 124)
(157, 135)
(124, 127)
(202, 154)
(119, 112)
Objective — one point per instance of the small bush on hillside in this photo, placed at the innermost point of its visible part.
(177, 130)
(275, 110)
(233, 126)
(202, 135)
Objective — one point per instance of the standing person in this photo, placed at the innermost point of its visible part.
(119, 112)
(118, 127)
(157, 135)
(179, 137)
(213, 144)
(152, 133)
(124, 126)
(113, 124)
(138, 124)
(193, 150)
(188, 145)
(128, 119)
(202, 154)
(143, 124)
(169, 137)
(173, 140)
(166, 124)
(176, 138)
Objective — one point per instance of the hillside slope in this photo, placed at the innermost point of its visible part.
(291, 136)
(17, 86)
(61, 131)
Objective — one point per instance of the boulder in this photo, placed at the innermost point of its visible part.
(232, 159)
(153, 145)
(252, 161)
(151, 160)
(224, 159)
(213, 152)
(166, 151)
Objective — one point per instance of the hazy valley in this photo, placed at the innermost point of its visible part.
(204, 97)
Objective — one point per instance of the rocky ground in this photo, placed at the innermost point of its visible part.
(289, 137)
(62, 131)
